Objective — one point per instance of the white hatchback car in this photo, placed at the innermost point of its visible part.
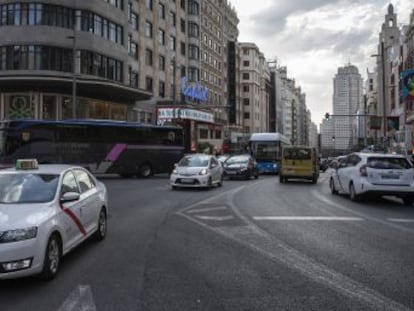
(362, 174)
(45, 211)
(197, 170)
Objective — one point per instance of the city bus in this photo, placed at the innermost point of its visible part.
(102, 146)
(267, 149)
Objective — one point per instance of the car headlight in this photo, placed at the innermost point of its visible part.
(244, 168)
(174, 172)
(274, 165)
(18, 235)
(204, 171)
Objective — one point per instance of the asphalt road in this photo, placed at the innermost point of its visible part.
(249, 245)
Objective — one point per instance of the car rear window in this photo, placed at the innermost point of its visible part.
(297, 154)
(388, 163)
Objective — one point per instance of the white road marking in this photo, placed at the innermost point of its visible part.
(80, 299)
(323, 218)
(218, 218)
(401, 220)
(260, 241)
(208, 209)
(327, 201)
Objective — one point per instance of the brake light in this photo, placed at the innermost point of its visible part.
(363, 171)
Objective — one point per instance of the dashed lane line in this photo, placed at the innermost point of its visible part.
(308, 218)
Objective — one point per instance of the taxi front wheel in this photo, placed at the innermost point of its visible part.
(100, 233)
(53, 255)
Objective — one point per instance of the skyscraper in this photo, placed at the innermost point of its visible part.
(347, 100)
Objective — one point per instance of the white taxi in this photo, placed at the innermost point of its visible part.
(45, 211)
(361, 174)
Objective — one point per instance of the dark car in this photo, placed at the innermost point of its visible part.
(241, 166)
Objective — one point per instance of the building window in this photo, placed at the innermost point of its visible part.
(49, 111)
(246, 76)
(133, 78)
(148, 4)
(182, 23)
(161, 11)
(172, 43)
(245, 88)
(246, 101)
(193, 74)
(148, 84)
(148, 29)
(161, 63)
(148, 57)
(161, 89)
(193, 30)
(193, 52)
(247, 115)
(172, 19)
(193, 7)
(246, 63)
(203, 133)
(182, 44)
(161, 36)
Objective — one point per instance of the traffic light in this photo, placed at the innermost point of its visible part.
(327, 116)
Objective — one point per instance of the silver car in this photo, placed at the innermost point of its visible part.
(197, 170)
(45, 212)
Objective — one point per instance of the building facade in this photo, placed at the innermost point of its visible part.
(71, 59)
(347, 101)
(254, 73)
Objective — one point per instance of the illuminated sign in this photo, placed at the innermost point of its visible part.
(408, 84)
(194, 91)
(165, 114)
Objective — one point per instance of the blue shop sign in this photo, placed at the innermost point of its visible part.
(194, 91)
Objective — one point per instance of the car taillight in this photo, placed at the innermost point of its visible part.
(363, 171)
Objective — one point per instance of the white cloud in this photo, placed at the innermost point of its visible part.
(314, 38)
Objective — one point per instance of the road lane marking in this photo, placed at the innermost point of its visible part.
(218, 218)
(80, 299)
(402, 220)
(322, 218)
(327, 201)
(207, 209)
(256, 239)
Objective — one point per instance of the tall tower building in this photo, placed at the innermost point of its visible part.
(347, 100)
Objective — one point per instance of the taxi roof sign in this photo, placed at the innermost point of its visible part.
(27, 164)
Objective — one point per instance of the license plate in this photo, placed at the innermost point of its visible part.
(230, 173)
(187, 181)
(390, 176)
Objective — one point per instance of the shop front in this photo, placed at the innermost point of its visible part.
(193, 121)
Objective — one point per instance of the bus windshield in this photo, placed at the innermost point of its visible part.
(266, 151)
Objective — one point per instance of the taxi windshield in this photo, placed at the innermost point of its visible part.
(27, 188)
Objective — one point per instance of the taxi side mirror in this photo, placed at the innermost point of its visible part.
(69, 197)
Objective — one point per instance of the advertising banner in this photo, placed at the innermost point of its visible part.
(407, 77)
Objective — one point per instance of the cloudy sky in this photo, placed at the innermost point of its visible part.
(315, 37)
